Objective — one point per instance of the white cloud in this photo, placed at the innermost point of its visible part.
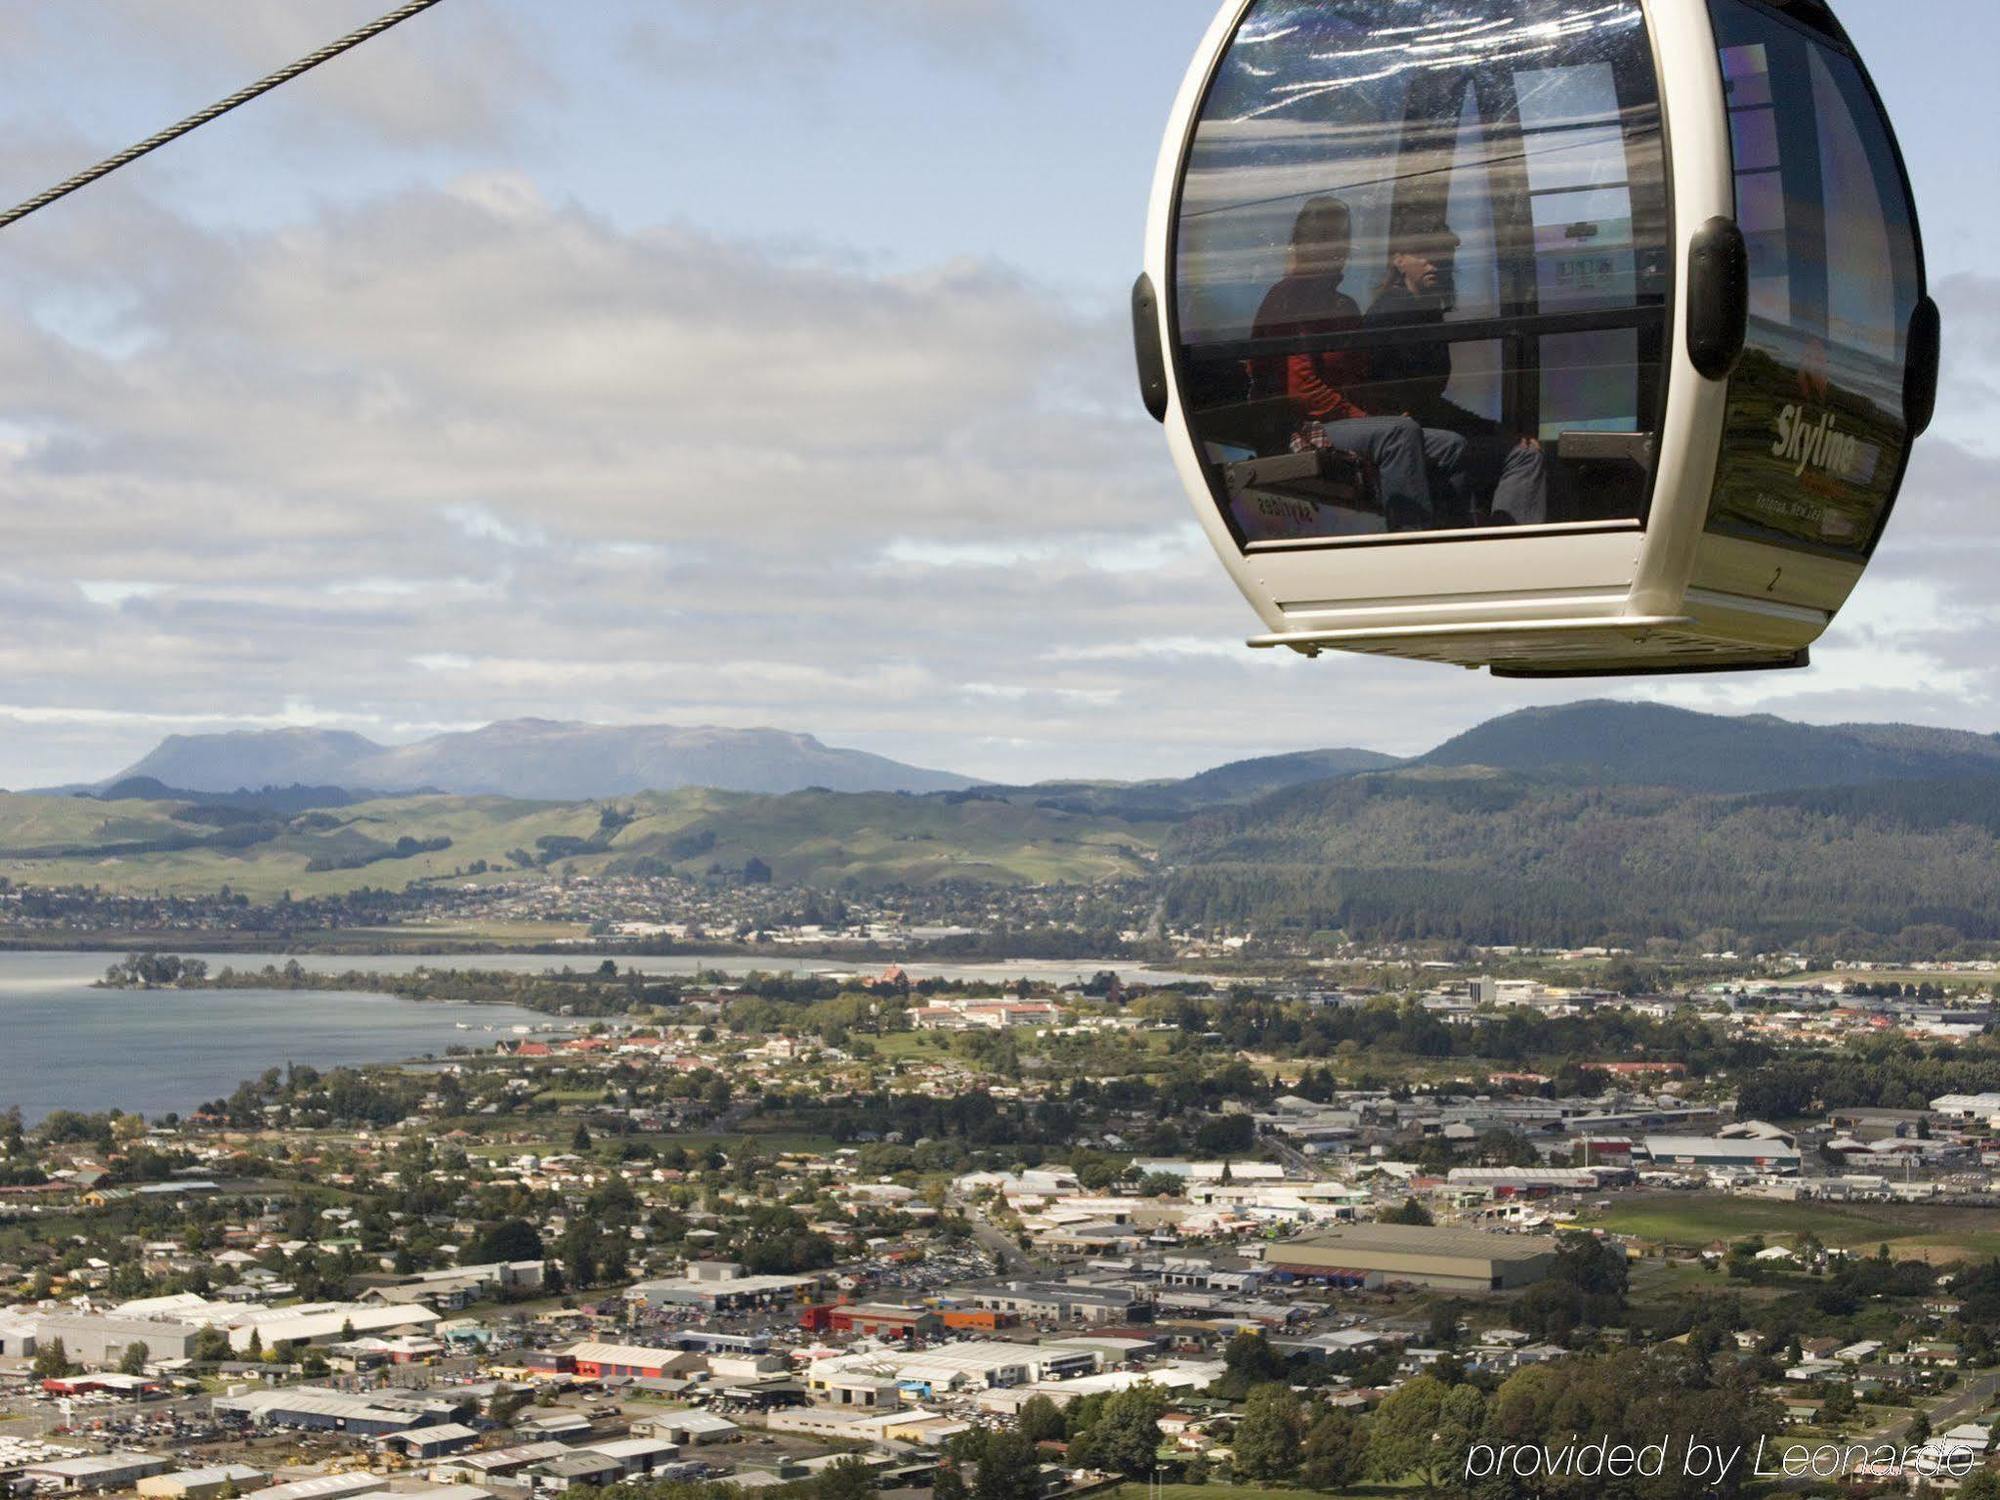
(112, 593)
(454, 453)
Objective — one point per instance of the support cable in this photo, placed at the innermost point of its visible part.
(215, 111)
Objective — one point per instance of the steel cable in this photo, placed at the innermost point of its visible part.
(215, 111)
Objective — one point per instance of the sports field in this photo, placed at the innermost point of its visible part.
(1910, 1230)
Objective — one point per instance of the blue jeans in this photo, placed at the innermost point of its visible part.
(1396, 446)
(1409, 457)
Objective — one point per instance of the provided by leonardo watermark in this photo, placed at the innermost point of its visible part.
(1712, 1462)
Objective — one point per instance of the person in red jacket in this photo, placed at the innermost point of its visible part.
(1325, 384)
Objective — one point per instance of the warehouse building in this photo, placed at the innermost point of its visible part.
(326, 1487)
(318, 1409)
(211, 1483)
(1059, 1302)
(720, 1286)
(885, 1320)
(324, 1323)
(600, 1361)
(1749, 1152)
(1460, 1260)
(93, 1340)
(1519, 1182)
(94, 1473)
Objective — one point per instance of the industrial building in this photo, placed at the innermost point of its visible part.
(1461, 1260)
(1750, 1152)
(884, 1320)
(719, 1286)
(1507, 1182)
(93, 1473)
(1059, 1302)
(323, 1323)
(211, 1483)
(95, 1340)
(598, 1361)
(318, 1409)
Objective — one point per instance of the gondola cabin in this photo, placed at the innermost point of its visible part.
(1553, 336)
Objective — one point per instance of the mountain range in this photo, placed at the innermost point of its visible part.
(1595, 742)
(1592, 822)
(540, 759)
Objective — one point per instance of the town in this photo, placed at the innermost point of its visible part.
(856, 1232)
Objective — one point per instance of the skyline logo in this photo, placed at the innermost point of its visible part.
(1808, 444)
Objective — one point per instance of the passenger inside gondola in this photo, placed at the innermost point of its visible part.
(1436, 463)
(1490, 477)
(1309, 303)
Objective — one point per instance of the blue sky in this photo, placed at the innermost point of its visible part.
(739, 361)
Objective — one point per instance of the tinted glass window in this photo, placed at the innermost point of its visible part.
(1421, 253)
(1815, 440)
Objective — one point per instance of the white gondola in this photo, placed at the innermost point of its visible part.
(1555, 336)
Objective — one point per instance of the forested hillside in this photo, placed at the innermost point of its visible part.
(1495, 857)
(1650, 744)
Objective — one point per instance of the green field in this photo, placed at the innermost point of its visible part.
(1911, 1230)
(817, 838)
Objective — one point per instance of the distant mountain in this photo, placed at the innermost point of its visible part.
(253, 757)
(1242, 780)
(1155, 801)
(533, 758)
(1649, 744)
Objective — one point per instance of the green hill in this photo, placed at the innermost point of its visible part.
(1488, 856)
(820, 838)
(1650, 744)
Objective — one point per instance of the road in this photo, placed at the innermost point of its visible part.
(1970, 1400)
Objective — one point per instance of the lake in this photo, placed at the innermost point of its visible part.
(64, 1045)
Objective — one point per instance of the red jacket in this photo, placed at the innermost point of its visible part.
(1300, 306)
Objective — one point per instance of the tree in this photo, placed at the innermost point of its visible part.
(1412, 1212)
(846, 1479)
(580, 1141)
(133, 1360)
(1267, 1441)
(52, 1361)
(1229, 1135)
(1125, 1436)
(1444, 1325)
(579, 1254)
(1040, 1420)
(1335, 1454)
(1424, 1429)
(510, 1239)
(1919, 1430)
(211, 1346)
(1980, 1484)
(1249, 1356)
(1009, 1469)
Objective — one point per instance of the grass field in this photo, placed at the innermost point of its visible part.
(817, 838)
(1912, 1230)
(909, 1046)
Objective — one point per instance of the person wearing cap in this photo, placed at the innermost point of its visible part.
(1412, 376)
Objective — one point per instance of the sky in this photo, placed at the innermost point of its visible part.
(744, 362)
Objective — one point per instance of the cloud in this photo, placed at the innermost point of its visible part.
(440, 454)
(748, 41)
(451, 75)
